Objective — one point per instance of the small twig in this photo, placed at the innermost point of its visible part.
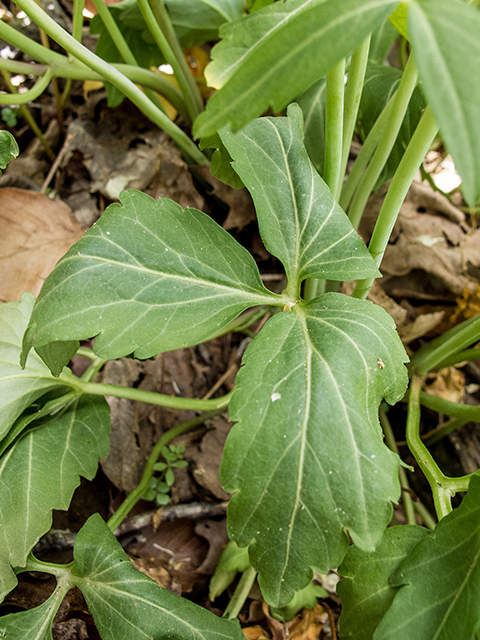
(220, 381)
(332, 620)
(58, 159)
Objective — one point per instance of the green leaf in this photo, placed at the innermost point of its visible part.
(40, 472)
(268, 58)
(312, 103)
(399, 19)
(440, 580)
(445, 37)
(8, 148)
(300, 222)
(56, 354)
(198, 21)
(308, 394)
(19, 388)
(382, 41)
(365, 593)
(147, 277)
(127, 604)
(33, 624)
(221, 164)
(381, 82)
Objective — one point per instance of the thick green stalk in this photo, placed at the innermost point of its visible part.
(133, 497)
(366, 152)
(391, 443)
(26, 113)
(353, 94)
(160, 399)
(402, 180)
(30, 95)
(464, 356)
(111, 74)
(170, 57)
(387, 141)
(433, 354)
(241, 593)
(470, 413)
(77, 19)
(335, 95)
(73, 69)
(121, 44)
(443, 488)
(163, 19)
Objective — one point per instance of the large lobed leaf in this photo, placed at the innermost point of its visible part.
(299, 220)
(270, 57)
(365, 592)
(127, 604)
(147, 277)
(18, 388)
(40, 472)
(439, 598)
(307, 458)
(445, 36)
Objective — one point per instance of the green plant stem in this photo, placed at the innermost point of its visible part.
(163, 19)
(133, 497)
(76, 70)
(382, 152)
(170, 57)
(464, 356)
(77, 19)
(93, 369)
(391, 443)
(435, 353)
(99, 389)
(314, 288)
(241, 593)
(30, 95)
(335, 95)
(366, 152)
(121, 44)
(440, 432)
(111, 74)
(402, 180)
(470, 413)
(353, 94)
(425, 515)
(29, 118)
(443, 488)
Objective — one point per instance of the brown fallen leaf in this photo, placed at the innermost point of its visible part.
(448, 383)
(36, 232)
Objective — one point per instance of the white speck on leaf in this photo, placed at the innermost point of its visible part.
(275, 396)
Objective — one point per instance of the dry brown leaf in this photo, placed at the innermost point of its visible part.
(36, 232)
(255, 633)
(308, 624)
(447, 383)
(424, 241)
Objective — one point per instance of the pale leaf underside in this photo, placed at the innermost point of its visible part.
(18, 388)
(307, 457)
(147, 277)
